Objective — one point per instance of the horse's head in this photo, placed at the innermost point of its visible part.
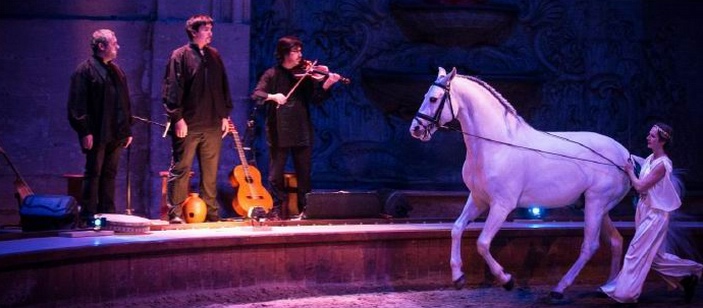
(436, 109)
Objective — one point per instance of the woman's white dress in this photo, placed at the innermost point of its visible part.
(645, 250)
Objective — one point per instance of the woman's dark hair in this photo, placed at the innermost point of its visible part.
(285, 45)
(195, 22)
(666, 134)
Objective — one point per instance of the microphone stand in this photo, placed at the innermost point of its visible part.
(129, 210)
(165, 126)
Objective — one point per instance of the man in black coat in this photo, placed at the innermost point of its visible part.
(100, 113)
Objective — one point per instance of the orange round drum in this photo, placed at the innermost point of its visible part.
(194, 209)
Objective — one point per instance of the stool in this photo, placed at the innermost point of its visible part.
(290, 185)
(74, 186)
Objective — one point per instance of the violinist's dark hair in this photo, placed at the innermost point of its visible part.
(284, 46)
(195, 22)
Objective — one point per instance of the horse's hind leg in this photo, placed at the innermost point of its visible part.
(593, 218)
(469, 213)
(610, 235)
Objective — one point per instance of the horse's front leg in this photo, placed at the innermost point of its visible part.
(469, 213)
(494, 221)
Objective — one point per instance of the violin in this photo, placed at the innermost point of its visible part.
(315, 71)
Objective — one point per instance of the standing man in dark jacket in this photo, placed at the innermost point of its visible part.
(197, 99)
(289, 129)
(99, 111)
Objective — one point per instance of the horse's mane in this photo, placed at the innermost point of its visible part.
(508, 107)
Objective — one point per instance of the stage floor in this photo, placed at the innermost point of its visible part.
(161, 234)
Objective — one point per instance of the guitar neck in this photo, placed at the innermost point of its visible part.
(22, 183)
(240, 151)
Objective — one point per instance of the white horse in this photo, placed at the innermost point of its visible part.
(509, 164)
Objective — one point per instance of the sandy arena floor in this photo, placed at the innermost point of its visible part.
(654, 295)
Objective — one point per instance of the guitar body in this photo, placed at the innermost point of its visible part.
(246, 180)
(250, 192)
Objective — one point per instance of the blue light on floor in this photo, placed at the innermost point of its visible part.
(535, 212)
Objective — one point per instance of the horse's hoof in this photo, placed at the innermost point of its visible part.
(460, 282)
(556, 298)
(509, 285)
(556, 295)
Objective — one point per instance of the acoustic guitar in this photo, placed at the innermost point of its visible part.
(22, 190)
(247, 180)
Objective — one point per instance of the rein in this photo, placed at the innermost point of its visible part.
(611, 163)
(434, 121)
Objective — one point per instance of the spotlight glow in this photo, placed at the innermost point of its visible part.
(535, 212)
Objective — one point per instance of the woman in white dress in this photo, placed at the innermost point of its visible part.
(658, 198)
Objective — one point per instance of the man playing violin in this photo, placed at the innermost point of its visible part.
(287, 91)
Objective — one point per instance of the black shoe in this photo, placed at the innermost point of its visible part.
(176, 220)
(689, 284)
(300, 216)
(214, 219)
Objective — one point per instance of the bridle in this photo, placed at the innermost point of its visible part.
(433, 121)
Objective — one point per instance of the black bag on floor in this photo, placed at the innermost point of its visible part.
(48, 212)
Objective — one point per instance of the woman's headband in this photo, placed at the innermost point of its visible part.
(662, 132)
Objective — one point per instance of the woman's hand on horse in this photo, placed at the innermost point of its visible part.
(629, 168)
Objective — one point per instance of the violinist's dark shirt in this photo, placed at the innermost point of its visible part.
(288, 125)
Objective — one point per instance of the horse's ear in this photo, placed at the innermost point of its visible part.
(452, 73)
(442, 72)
